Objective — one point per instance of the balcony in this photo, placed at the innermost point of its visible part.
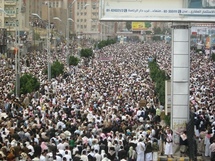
(10, 16)
(10, 28)
(10, 13)
(10, 2)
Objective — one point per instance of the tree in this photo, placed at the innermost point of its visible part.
(128, 25)
(28, 84)
(213, 57)
(86, 53)
(73, 60)
(36, 35)
(104, 43)
(148, 24)
(57, 68)
(157, 30)
(158, 76)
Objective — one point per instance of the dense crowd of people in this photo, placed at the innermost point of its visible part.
(105, 111)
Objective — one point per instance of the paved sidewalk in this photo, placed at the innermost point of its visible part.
(177, 158)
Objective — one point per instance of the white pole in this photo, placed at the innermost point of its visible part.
(101, 25)
(17, 59)
(67, 36)
(48, 45)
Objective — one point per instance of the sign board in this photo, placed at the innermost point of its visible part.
(138, 26)
(167, 96)
(158, 10)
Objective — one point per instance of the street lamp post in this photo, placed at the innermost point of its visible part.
(67, 36)
(67, 32)
(103, 31)
(79, 35)
(17, 53)
(35, 33)
(210, 42)
(48, 45)
(97, 24)
(48, 41)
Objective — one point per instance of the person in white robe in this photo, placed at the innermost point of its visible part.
(141, 147)
(169, 143)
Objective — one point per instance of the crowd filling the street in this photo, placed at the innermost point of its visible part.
(105, 111)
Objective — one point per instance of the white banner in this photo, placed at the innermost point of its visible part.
(167, 12)
(157, 10)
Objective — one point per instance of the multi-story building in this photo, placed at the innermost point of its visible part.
(12, 15)
(83, 17)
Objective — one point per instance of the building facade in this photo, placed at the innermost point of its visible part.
(76, 17)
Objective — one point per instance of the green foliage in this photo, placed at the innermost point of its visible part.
(158, 76)
(157, 30)
(128, 25)
(148, 24)
(104, 43)
(36, 36)
(27, 63)
(86, 53)
(167, 119)
(73, 60)
(213, 57)
(57, 68)
(148, 32)
(28, 84)
(156, 38)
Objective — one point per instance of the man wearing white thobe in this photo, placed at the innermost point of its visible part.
(140, 150)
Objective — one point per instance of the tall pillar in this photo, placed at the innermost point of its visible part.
(180, 75)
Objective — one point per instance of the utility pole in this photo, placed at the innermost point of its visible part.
(48, 44)
(17, 54)
(67, 36)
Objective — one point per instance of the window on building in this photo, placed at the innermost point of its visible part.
(14, 11)
(94, 5)
(85, 26)
(78, 5)
(93, 28)
(82, 5)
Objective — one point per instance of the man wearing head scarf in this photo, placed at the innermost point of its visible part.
(105, 158)
(132, 155)
(169, 143)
